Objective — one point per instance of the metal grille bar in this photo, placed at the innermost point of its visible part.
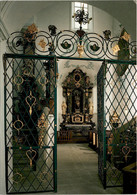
(117, 114)
(30, 123)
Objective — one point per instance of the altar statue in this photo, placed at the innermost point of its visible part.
(64, 108)
(91, 107)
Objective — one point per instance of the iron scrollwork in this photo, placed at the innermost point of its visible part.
(66, 42)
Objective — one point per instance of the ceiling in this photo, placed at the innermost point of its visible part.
(123, 11)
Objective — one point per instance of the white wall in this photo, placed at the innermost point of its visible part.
(58, 15)
(2, 137)
(102, 21)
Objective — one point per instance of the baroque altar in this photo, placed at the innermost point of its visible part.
(77, 109)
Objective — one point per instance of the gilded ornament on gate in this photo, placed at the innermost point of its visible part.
(27, 71)
(115, 49)
(44, 176)
(17, 177)
(126, 150)
(114, 120)
(126, 36)
(42, 44)
(18, 80)
(31, 155)
(32, 28)
(43, 80)
(30, 33)
(80, 50)
(30, 98)
(18, 124)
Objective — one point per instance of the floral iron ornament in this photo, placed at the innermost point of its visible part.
(65, 45)
(126, 36)
(81, 16)
(52, 30)
(29, 36)
(80, 50)
(30, 33)
(94, 47)
(115, 49)
(107, 34)
(42, 44)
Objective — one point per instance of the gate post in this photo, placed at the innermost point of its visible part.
(55, 127)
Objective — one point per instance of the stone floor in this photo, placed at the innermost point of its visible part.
(78, 171)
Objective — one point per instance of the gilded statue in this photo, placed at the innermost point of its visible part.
(64, 108)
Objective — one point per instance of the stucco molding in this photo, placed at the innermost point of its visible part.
(5, 7)
(3, 31)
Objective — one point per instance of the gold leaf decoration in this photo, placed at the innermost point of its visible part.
(32, 29)
(80, 50)
(42, 44)
(115, 49)
(126, 36)
(31, 155)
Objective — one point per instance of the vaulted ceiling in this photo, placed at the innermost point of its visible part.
(14, 14)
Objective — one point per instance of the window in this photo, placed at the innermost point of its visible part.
(87, 8)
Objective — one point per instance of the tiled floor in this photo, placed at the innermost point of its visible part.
(78, 171)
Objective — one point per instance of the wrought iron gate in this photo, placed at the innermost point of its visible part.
(30, 123)
(117, 119)
(101, 122)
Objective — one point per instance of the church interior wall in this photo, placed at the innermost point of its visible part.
(2, 134)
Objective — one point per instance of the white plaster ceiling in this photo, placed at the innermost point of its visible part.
(22, 11)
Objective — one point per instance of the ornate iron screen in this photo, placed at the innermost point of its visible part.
(117, 115)
(30, 103)
(30, 123)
